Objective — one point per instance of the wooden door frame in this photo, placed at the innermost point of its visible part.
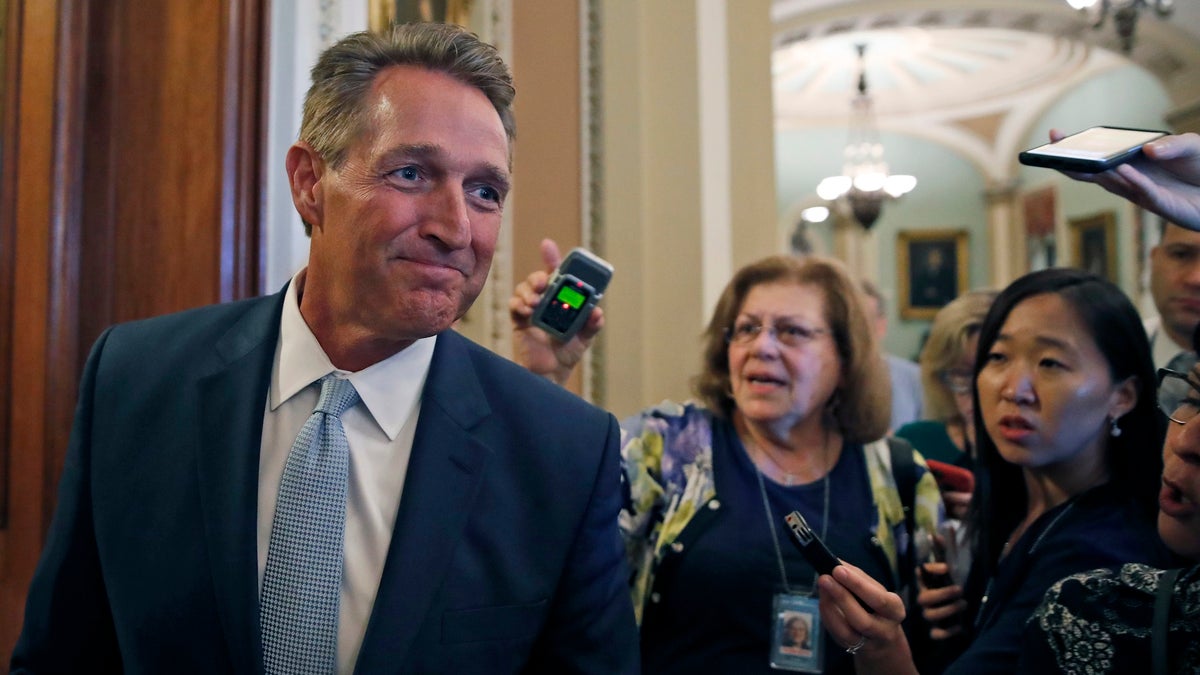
(43, 340)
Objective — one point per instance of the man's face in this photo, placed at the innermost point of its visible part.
(404, 231)
(1175, 282)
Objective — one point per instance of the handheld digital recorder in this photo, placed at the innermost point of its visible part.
(576, 287)
(809, 544)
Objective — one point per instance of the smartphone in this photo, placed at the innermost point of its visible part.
(951, 478)
(576, 287)
(1091, 150)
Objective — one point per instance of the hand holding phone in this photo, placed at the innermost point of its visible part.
(936, 573)
(931, 550)
(576, 287)
(1092, 150)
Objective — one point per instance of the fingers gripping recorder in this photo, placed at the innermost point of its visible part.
(809, 544)
(814, 550)
(576, 287)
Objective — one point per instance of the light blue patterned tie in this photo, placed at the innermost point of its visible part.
(302, 582)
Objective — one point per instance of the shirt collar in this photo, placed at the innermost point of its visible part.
(1163, 348)
(389, 389)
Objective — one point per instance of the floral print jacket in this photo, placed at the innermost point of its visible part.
(1100, 622)
(667, 457)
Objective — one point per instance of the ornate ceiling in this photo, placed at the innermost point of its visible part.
(972, 74)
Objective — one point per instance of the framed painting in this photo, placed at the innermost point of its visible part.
(1094, 244)
(932, 266)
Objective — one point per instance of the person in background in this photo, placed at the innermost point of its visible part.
(947, 366)
(793, 405)
(906, 376)
(328, 479)
(1107, 621)
(1165, 179)
(1175, 287)
(1065, 401)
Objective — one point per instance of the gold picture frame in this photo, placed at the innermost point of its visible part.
(932, 266)
(1094, 244)
(383, 13)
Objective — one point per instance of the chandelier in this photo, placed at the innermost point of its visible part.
(864, 184)
(1125, 14)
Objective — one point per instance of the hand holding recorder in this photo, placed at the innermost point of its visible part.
(857, 610)
(555, 351)
(877, 634)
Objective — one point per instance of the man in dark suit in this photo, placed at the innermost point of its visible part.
(480, 501)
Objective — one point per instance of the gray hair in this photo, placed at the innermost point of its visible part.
(334, 107)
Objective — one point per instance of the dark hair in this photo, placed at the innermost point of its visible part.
(1000, 498)
(862, 407)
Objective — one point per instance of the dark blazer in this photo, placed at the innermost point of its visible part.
(505, 555)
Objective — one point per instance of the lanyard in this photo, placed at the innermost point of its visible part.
(762, 488)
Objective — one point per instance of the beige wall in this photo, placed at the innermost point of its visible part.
(687, 173)
(654, 140)
(547, 163)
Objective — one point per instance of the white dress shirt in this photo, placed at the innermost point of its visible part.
(380, 434)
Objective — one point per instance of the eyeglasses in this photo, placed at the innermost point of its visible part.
(786, 334)
(1178, 397)
(957, 381)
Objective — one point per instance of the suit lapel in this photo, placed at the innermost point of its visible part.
(444, 473)
(232, 399)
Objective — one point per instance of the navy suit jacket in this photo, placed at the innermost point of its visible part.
(505, 555)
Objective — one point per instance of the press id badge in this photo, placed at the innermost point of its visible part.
(796, 634)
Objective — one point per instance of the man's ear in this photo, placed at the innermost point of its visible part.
(305, 168)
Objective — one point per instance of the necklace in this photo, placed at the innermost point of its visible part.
(762, 489)
(789, 479)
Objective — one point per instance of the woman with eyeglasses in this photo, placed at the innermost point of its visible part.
(793, 401)
(947, 365)
(1137, 618)
(1065, 401)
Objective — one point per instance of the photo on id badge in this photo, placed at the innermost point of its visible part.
(796, 635)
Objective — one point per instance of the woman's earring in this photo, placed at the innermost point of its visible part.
(1113, 429)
